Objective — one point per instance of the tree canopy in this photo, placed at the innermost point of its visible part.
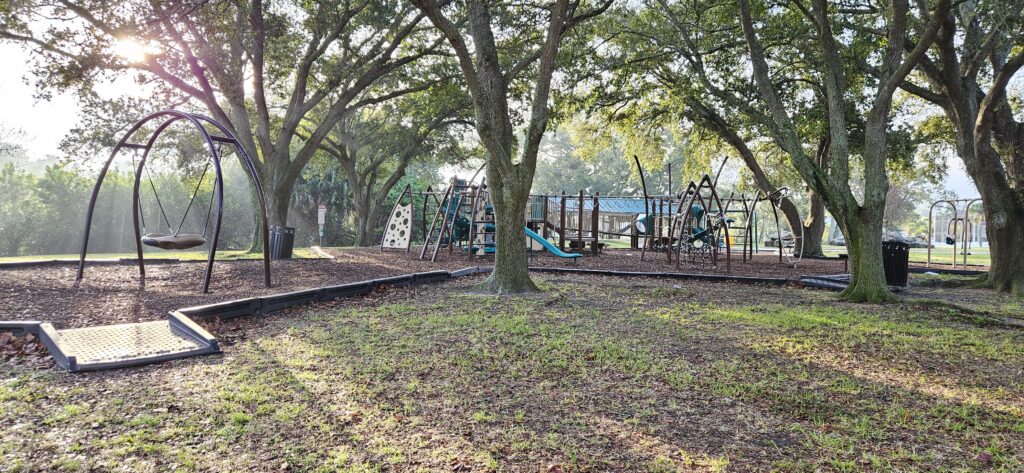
(853, 105)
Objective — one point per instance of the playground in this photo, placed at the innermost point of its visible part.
(682, 331)
(486, 236)
(597, 372)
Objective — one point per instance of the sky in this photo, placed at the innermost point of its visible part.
(45, 122)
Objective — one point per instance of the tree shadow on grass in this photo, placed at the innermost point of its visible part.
(525, 385)
(602, 375)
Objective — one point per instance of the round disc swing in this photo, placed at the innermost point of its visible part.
(174, 238)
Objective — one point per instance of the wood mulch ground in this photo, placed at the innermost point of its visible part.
(110, 293)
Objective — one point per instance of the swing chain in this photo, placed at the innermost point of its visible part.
(175, 230)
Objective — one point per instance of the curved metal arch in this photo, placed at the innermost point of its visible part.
(197, 121)
(774, 198)
(931, 216)
(255, 181)
(968, 229)
(690, 190)
(768, 197)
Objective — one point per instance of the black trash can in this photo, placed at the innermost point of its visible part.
(896, 260)
(282, 239)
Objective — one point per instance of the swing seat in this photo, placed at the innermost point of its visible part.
(181, 241)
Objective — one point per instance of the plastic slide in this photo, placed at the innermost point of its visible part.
(550, 247)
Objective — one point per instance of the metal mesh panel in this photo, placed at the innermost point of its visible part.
(119, 343)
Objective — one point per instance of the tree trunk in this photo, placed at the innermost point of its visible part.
(278, 201)
(1004, 220)
(359, 230)
(362, 231)
(1004, 208)
(1001, 185)
(814, 226)
(511, 271)
(366, 220)
(864, 244)
(256, 239)
(1005, 229)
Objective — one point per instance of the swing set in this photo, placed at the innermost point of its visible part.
(958, 230)
(174, 238)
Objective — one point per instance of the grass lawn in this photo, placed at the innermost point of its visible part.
(224, 255)
(940, 255)
(592, 374)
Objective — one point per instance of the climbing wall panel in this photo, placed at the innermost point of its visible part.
(399, 228)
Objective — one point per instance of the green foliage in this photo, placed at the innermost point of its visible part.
(44, 214)
(374, 147)
(566, 164)
(19, 209)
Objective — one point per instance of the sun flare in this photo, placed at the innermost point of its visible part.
(133, 50)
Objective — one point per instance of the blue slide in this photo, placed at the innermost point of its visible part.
(550, 247)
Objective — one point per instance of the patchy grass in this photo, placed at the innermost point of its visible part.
(592, 374)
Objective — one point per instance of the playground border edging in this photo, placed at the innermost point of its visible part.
(684, 276)
(956, 272)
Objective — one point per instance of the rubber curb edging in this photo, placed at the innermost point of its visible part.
(182, 318)
(687, 276)
(277, 302)
(837, 282)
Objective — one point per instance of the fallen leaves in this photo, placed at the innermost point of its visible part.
(26, 350)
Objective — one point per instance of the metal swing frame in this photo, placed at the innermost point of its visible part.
(168, 118)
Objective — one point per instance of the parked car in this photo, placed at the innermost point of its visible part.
(917, 242)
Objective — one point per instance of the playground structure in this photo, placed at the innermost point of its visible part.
(696, 226)
(959, 229)
(174, 238)
(463, 218)
(753, 234)
(398, 230)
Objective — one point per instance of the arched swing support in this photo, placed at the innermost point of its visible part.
(774, 199)
(961, 230)
(166, 118)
